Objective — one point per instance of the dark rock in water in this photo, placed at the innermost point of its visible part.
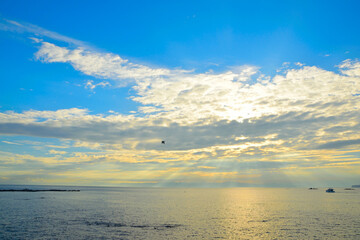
(106, 224)
(171, 225)
(140, 226)
(114, 224)
(37, 190)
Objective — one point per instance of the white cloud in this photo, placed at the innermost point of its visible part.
(186, 97)
(223, 96)
(198, 110)
(202, 110)
(36, 40)
(90, 84)
(100, 65)
(303, 118)
(12, 143)
(350, 67)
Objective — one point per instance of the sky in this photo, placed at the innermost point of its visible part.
(244, 93)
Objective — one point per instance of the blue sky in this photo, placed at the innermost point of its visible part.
(246, 93)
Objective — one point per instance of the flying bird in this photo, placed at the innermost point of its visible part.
(162, 142)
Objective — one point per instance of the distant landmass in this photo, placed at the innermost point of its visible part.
(37, 190)
(357, 186)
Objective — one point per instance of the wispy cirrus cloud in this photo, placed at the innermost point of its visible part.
(12, 143)
(23, 27)
(339, 144)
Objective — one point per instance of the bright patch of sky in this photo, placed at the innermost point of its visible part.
(260, 93)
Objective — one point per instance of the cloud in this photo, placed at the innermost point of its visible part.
(239, 107)
(12, 143)
(192, 98)
(233, 95)
(291, 129)
(281, 126)
(184, 96)
(339, 144)
(38, 116)
(200, 111)
(52, 151)
(350, 67)
(83, 57)
(90, 84)
(14, 26)
(98, 64)
(168, 168)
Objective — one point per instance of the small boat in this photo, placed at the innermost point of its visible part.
(330, 190)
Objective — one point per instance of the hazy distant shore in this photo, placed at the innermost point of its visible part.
(37, 190)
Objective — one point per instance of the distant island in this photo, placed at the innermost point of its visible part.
(37, 190)
(357, 186)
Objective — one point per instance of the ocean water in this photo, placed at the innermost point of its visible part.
(178, 213)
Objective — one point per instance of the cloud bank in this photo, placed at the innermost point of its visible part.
(296, 121)
(303, 107)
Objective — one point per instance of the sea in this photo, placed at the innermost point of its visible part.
(179, 213)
